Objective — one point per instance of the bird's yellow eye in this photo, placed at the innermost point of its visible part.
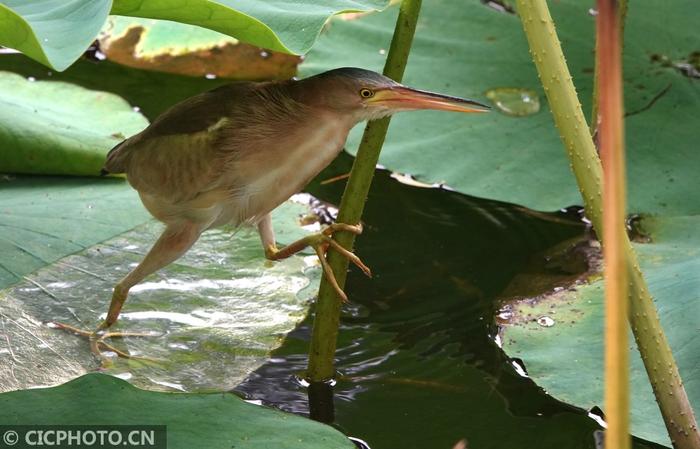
(366, 93)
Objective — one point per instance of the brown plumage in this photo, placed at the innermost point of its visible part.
(233, 154)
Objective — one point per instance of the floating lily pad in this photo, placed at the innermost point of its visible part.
(43, 219)
(559, 335)
(214, 421)
(51, 127)
(215, 314)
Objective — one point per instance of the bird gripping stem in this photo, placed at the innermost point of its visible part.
(327, 318)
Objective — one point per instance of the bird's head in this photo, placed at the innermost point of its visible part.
(367, 95)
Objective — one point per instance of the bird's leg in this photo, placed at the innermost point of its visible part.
(320, 242)
(170, 246)
(175, 240)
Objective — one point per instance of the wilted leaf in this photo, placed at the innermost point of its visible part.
(179, 48)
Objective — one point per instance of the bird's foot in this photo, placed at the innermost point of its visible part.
(320, 242)
(97, 341)
(325, 241)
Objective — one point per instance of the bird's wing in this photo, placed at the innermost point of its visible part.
(176, 157)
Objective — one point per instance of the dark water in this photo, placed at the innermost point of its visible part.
(418, 364)
(417, 360)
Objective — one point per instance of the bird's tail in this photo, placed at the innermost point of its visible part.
(115, 162)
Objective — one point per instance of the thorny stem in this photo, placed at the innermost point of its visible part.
(568, 117)
(326, 321)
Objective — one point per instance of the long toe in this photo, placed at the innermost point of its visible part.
(352, 257)
(328, 272)
(97, 340)
(335, 227)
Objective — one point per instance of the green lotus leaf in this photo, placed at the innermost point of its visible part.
(214, 421)
(219, 310)
(468, 49)
(51, 127)
(53, 32)
(57, 32)
(559, 335)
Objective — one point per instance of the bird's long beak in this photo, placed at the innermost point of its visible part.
(406, 98)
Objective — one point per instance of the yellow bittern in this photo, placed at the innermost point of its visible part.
(235, 153)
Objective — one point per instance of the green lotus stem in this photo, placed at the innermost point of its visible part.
(612, 153)
(644, 320)
(327, 319)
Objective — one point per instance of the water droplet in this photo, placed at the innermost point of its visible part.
(505, 315)
(264, 54)
(545, 321)
(136, 109)
(31, 79)
(514, 101)
(382, 51)
(302, 381)
(210, 76)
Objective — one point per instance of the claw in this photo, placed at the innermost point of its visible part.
(321, 253)
(320, 243)
(97, 339)
(322, 248)
(335, 227)
(352, 257)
